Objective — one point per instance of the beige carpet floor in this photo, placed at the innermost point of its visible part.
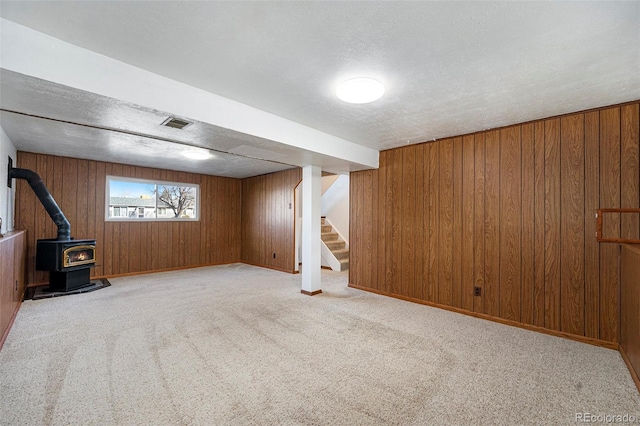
(240, 345)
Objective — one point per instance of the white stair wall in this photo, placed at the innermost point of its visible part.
(334, 205)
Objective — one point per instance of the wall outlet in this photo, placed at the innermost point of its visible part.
(274, 255)
(477, 291)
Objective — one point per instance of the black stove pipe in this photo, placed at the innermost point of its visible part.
(45, 197)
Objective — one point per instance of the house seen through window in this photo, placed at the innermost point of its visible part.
(138, 199)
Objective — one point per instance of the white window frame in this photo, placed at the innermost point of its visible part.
(107, 198)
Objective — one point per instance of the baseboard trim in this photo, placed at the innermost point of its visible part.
(13, 317)
(556, 333)
(634, 373)
(151, 271)
(177, 268)
(310, 293)
(288, 271)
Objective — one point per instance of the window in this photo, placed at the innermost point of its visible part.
(117, 211)
(143, 200)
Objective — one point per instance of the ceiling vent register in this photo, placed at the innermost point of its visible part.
(176, 123)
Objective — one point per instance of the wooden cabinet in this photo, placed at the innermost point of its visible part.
(12, 283)
(630, 308)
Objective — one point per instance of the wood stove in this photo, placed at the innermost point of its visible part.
(68, 261)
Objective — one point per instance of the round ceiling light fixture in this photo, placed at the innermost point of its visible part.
(361, 90)
(196, 154)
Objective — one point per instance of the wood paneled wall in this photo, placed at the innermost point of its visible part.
(12, 283)
(511, 211)
(78, 187)
(630, 309)
(268, 215)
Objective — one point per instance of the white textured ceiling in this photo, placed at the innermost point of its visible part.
(449, 67)
(44, 117)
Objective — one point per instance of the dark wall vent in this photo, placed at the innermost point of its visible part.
(176, 123)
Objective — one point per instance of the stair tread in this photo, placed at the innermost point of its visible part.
(330, 236)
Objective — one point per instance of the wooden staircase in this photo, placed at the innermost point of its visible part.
(335, 244)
